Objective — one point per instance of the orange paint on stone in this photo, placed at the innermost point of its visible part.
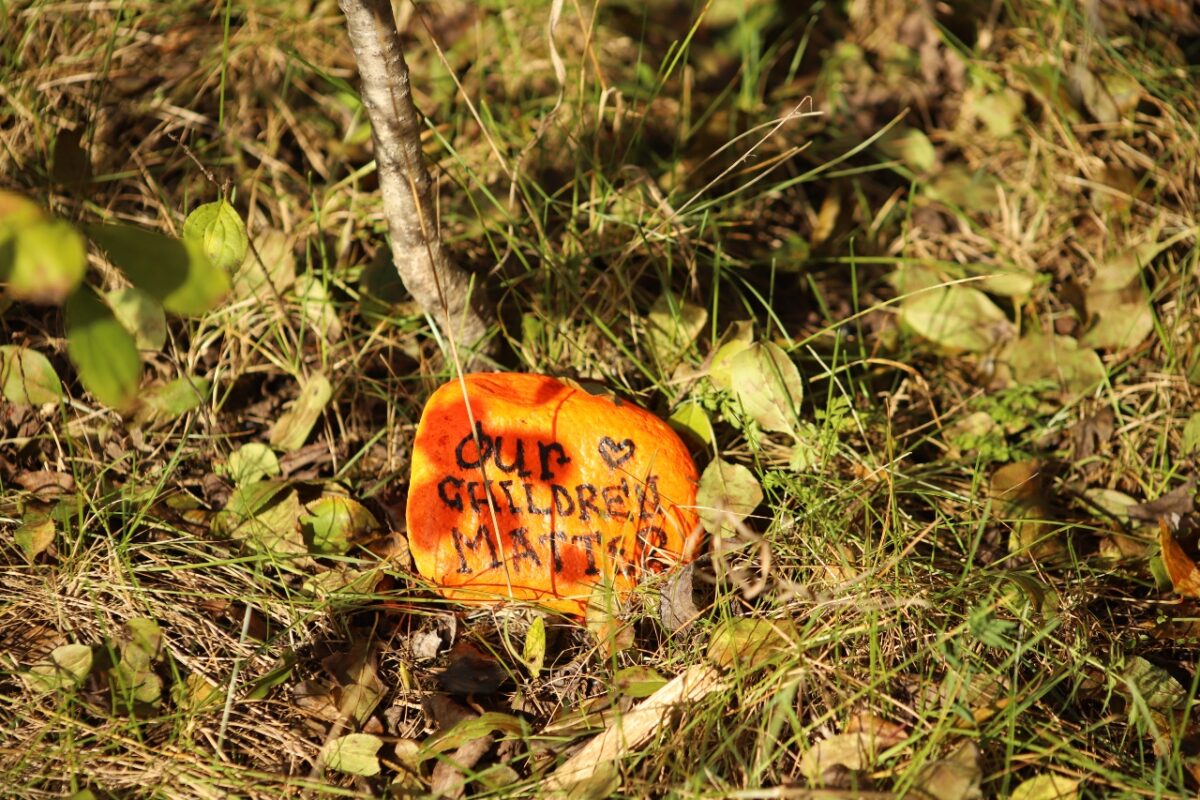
(581, 489)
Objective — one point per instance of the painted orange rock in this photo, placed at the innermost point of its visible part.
(543, 491)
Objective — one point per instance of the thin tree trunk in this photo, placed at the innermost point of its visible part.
(442, 288)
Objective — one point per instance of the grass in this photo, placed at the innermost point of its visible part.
(822, 176)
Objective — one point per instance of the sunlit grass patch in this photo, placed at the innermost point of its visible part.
(921, 293)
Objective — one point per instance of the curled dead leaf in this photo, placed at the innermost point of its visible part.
(1185, 577)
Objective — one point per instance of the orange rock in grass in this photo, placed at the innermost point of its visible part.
(581, 488)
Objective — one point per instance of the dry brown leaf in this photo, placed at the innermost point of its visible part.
(677, 604)
(449, 775)
(634, 728)
(1178, 501)
(1185, 577)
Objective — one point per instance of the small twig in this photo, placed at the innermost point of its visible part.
(442, 288)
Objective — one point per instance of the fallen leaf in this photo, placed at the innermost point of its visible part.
(1093, 432)
(1119, 326)
(65, 668)
(354, 754)
(957, 318)
(1112, 502)
(359, 688)
(292, 428)
(1159, 689)
(265, 517)
(471, 671)
(1185, 577)
(27, 377)
(1190, 439)
(1075, 370)
(169, 401)
(34, 536)
(1047, 787)
(274, 273)
(677, 604)
(727, 493)
(746, 643)
(634, 728)
(909, 146)
(738, 337)
(1177, 502)
(638, 681)
(317, 307)
(332, 523)
(956, 777)
(472, 729)
(450, 776)
(251, 462)
(767, 386)
(853, 751)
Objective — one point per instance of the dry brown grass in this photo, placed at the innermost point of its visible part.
(892, 559)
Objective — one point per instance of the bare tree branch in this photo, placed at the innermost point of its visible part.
(441, 287)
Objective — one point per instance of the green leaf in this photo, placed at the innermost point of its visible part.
(141, 315)
(638, 681)
(334, 522)
(176, 273)
(104, 354)
(265, 516)
(171, 400)
(1047, 787)
(1120, 326)
(220, 232)
(250, 463)
(66, 668)
(767, 386)
(48, 261)
(26, 377)
(856, 751)
(738, 337)
(353, 754)
(957, 318)
(1160, 690)
(468, 730)
(534, 651)
(1190, 441)
(292, 428)
(692, 420)
(998, 111)
(35, 535)
(278, 674)
(726, 490)
(139, 685)
(144, 634)
(1006, 283)
(911, 147)
(1075, 370)
(748, 643)
(17, 212)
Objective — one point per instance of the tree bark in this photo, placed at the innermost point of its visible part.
(441, 287)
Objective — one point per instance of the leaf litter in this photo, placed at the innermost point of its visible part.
(994, 214)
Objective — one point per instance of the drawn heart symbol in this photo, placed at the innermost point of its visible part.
(616, 453)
